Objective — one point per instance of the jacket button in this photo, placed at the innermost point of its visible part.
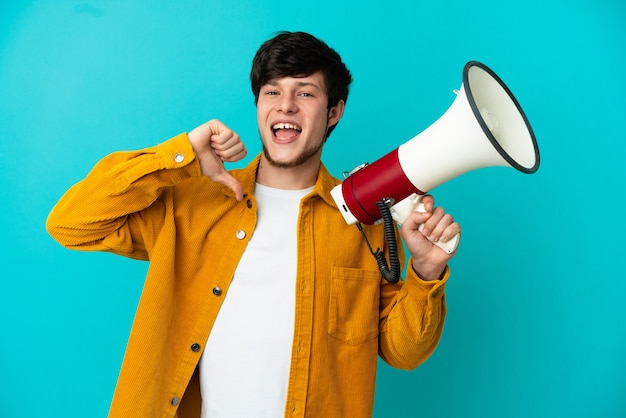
(195, 347)
(174, 401)
(241, 234)
(179, 158)
(217, 291)
(249, 203)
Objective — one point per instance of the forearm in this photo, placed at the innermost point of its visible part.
(99, 212)
(413, 326)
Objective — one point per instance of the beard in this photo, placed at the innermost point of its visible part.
(304, 157)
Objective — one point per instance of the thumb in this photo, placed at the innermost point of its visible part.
(417, 218)
(227, 180)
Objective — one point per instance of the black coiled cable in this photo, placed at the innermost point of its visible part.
(392, 275)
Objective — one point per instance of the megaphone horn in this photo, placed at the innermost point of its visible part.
(485, 126)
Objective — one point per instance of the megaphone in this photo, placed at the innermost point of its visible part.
(484, 127)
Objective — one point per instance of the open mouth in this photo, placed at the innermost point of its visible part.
(286, 131)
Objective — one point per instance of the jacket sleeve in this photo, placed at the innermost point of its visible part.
(411, 320)
(118, 206)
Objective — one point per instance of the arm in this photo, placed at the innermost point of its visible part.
(118, 206)
(412, 317)
(119, 198)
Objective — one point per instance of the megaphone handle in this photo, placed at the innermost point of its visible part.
(449, 246)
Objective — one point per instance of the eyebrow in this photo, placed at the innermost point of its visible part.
(298, 83)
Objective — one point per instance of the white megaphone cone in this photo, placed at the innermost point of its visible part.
(485, 126)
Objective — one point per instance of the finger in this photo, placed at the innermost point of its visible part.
(450, 232)
(217, 127)
(235, 156)
(429, 202)
(224, 138)
(441, 227)
(431, 223)
(201, 137)
(232, 152)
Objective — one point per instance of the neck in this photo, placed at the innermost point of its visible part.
(292, 178)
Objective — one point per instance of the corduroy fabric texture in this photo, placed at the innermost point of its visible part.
(154, 204)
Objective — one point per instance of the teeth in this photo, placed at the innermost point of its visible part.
(286, 126)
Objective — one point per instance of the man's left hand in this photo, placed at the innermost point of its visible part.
(429, 261)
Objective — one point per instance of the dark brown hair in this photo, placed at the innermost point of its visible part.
(299, 54)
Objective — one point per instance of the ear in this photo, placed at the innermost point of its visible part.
(335, 113)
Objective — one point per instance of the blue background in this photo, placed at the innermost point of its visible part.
(536, 323)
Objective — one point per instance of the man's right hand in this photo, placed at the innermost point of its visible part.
(214, 143)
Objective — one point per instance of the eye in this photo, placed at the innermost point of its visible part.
(269, 90)
(306, 94)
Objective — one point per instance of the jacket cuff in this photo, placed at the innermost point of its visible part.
(422, 289)
(177, 152)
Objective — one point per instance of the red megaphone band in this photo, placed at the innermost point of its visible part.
(382, 179)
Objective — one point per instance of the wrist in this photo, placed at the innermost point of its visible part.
(428, 273)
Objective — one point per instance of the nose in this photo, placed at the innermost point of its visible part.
(287, 104)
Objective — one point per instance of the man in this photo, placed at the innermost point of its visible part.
(260, 300)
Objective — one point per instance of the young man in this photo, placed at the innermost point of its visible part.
(260, 300)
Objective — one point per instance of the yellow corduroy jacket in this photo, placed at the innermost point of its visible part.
(155, 205)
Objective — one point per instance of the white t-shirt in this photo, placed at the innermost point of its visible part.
(244, 370)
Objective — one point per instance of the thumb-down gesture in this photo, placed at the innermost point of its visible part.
(214, 143)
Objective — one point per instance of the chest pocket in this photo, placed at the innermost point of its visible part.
(354, 300)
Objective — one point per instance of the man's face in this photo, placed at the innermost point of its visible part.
(293, 118)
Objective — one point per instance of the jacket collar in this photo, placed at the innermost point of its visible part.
(247, 177)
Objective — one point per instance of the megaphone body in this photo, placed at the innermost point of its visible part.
(485, 126)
